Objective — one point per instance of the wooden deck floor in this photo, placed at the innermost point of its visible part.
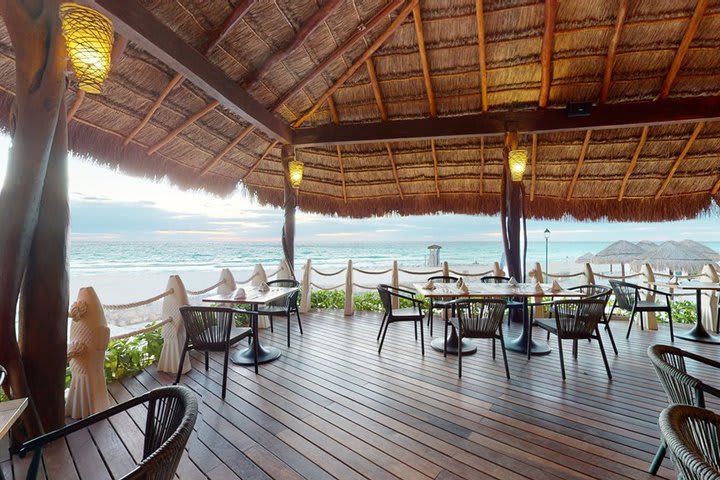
(331, 407)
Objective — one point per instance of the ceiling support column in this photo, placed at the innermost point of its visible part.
(289, 206)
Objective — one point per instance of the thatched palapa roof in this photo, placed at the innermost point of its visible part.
(324, 62)
(621, 251)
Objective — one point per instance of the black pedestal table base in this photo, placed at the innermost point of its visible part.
(467, 347)
(246, 356)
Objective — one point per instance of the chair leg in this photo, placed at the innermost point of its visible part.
(612, 340)
(642, 322)
(575, 349)
(630, 323)
(297, 313)
(672, 335)
(502, 347)
(382, 324)
(382, 340)
(422, 337)
(271, 324)
(562, 359)
(659, 457)
(445, 340)
(415, 324)
(602, 351)
(207, 361)
(225, 369)
(288, 330)
(256, 347)
(493, 348)
(459, 354)
(182, 362)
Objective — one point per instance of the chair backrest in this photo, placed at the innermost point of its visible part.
(289, 300)
(481, 317)
(208, 328)
(679, 386)
(592, 290)
(443, 279)
(494, 279)
(692, 434)
(625, 294)
(171, 415)
(385, 297)
(3, 375)
(579, 318)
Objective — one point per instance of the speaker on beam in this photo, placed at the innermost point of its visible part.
(578, 109)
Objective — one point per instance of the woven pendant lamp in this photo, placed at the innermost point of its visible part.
(89, 39)
(295, 168)
(517, 160)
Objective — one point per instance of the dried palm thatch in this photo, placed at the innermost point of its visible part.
(621, 252)
(585, 257)
(435, 62)
(678, 256)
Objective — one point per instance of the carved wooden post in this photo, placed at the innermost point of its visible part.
(589, 275)
(289, 205)
(173, 332)
(349, 307)
(396, 281)
(445, 268)
(260, 277)
(27, 219)
(284, 272)
(228, 286)
(497, 271)
(89, 337)
(305, 289)
(710, 298)
(537, 273)
(648, 276)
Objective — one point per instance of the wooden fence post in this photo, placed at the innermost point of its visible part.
(396, 281)
(228, 286)
(349, 308)
(649, 276)
(445, 269)
(284, 272)
(173, 332)
(589, 275)
(259, 277)
(710, 299)
(497, 271)
(306, 289)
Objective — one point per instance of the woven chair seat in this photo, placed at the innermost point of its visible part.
(272, 310)
(409, 313)
(643, 304)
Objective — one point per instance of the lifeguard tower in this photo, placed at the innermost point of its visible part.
(433, 258)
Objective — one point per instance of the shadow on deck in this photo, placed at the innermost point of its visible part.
(331, 407)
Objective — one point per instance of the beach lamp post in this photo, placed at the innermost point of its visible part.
(547, 240)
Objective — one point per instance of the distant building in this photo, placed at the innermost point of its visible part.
(433, 258)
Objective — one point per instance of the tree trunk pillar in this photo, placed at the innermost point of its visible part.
(289, 206)
(511, 218)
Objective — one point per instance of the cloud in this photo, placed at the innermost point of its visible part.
(337, 234)
(193, 232)
(243, 224)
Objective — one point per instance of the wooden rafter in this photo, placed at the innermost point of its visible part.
(244, 133)
(361, 60)
(716, 188)
(581, 159)
(262, 157)
(480, 17)
(376, 89)
(153, 108)
(188, 121)
(533, 161)
(680, 158)
(633, 162)
(482, 165)
(604, 116)
(302, 34)
(79, 97)
(424, 60)
(336, 120)
(614, 41)
(683, 48)
(546, 52)
(394, 169)
(435, 167)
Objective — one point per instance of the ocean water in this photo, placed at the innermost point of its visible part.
(103, 257)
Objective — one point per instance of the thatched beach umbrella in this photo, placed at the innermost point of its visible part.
(702, 248)
(621, 252)
(585, 257)
(647, 245)
(678, 255)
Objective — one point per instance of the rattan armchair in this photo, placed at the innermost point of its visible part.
(171, 415)
(692, 435)
(510, 304)
(592, 290)
(393, 315)
(3, 375)
(479, 318)
(680, 387)
(439, 304)
(283, 307)
(212, 329)
(627, 297)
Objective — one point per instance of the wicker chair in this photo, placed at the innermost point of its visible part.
(592, 290)
(576, 320)
(511, 304)
(171, 414)
(212, 329)
(680, 387)
(441, 304)
(627, 297)
(285, 306)
(392, 315)
(3, 375)
(479, 318)
(692, 435)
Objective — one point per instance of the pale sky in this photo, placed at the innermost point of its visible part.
(108, 205)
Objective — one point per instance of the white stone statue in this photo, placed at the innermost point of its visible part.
(228, 286)
(89, 338)
(173, 332)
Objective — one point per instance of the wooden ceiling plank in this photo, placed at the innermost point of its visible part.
(336, 119)
(136, 23)
(424, 60)
(394, 25)
(188, 121)
(683, 48)
(376, 89)
(435, 167)
(633, 162)
(394, 169)
(533, 161)
(480, 18)
(262, 157)
(546, 51)
(581, 160)
(214, 161)
(680, 158)
(302, 34)
(605, 116)
(612, 49)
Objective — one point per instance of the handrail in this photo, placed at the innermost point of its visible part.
(127, 306)
(371, 272)
(327, 274)
(204, 290)
(139, 331)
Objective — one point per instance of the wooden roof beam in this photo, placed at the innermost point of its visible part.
(244, 133)
(188, 121)
(262, 157)
(136, 23)
(680, 158)
(361, 60)
(480, 18)
(394, 169)
(716, 188)
(614, 41)
(683, 48)
(581, 160)
(605, 116)
(377, 93)
(424, 60)
(533, 161)
(546, 52)
(435, 167)
(633, 162)
(336, 120)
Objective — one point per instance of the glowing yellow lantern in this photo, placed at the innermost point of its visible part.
(295, 167)
(89, 39)
(517, 160)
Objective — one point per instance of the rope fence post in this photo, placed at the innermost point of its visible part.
(259, 277)
(538, 274)
(649, 277)
(305, 288)
(173, 332)
(445, 269)
(349, 308)
(710, 299)
(396, 281)
(228, 284)
(497, 271)
(284, 272)
(589, 275)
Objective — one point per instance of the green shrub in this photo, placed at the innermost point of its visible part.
(331, 299)
(129, 356)
(683, 311)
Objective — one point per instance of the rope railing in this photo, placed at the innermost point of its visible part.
(371, 272)
(365, 287)
(667, 275)
(205, 290)
(272, 274)
(328, 274)
(249, 279)
(127, 306)
(139, 331)
(481, 274)
(327, 288)
(422, 272)
(568, 275)
(617, 277)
